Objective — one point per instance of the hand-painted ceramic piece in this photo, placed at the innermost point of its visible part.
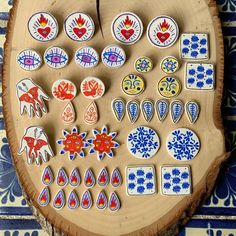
(114, 202)
(79, 27)
(68, 115)
(170, 65)
(103, 143)
(73, 200)
(116, 179)
(43, 26)
(183, 144)
(162, 109)
(86, 57)
(47, 176)
(29, 60)
(92, 88)
(127, 28)
(162, 31)
(64, 90)
(91, 114)
(59, 200)
(177, 110)
(194, 46)
(169, 87)
(200, 76)
(74, 179)
(137, 142)
(73, 143)
(147, 108)
(192, 110)
(86, 200)
(101, 202)
(36, 145)
(62, 178)
(103, 178)
(118, 107)
(113, 56)
(140, 180)
(133, 85)
(133, 110)
(56, 57)
(143, 65)
(89, 179)
(44, 197)
(31, 98)
(176, 180)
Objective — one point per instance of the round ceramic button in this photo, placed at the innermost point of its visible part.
(163, 31)
(170, 65)
(183, 144)
(133, 85)
(64, 90)
(56, 57)
(29, 60)
(113, 56)
(92, 88)
(79, 27)
(143, 65)
(43, 26)
(127, 28)
(169, 87)
(86, 57)
(138, 145)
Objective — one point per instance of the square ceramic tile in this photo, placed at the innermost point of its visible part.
(140, 180)
(200, 76)
(194, 46)
(175, 180)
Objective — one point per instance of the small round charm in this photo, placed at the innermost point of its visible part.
(92, 88)
(183, 144)
(133, 85)
(137, 142)
(64, 90)
(79, 27)
(127, 28)
(113, 56)
(169, 87)
(170, 65)
(56, 57)
(162, 32)
(43, 26)
(29, 60)
(86, 57)
(143, 65)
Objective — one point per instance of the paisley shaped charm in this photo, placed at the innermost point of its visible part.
(118, 108)
(114, 202)
(162, 109)
(91, 114)
(86, 201)
(73, 200)
(62, 178)
(177, 110)
(192, 110)
(147, 108)
(59, 200)
(116, 179)
(74, 179)
(89, 180)
(103, 178)
(101, 202)
(47, 177)
(133, 110)
(44, 197)
(68, 115)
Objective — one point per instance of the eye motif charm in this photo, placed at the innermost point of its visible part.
(29, 60)
(56, 57)
(86, 57)
(113, 56)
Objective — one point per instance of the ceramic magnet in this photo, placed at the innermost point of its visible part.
(62, 178)
(113, 56)
(162, 109)
(183, 144)
(133, 110)
(143, 65)
(68, 115)
(114, 202)
(147, 108)
(86, 201)
(103, 178)
(169, 87)
(192, 110)
(73, 200)
(44, 197)
(89, 179)
(140, 149)
(91, 114)
(59, 200)
(47, 176)
(116, 179)
(170, 65)
(118, 108)
(43, 26)
(101, 202)
(177, 110)
(74, 179)
(127, 28)
(163, 31)
(79, 27)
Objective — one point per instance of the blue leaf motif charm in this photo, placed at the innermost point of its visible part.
(147, 108)
(118, 108)
(162, 108)
(192, 110)
(177, 110)
(133, 110)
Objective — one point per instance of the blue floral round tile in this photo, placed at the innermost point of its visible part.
(183, 144)
(143, 142)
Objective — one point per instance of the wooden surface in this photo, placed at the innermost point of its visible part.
(147, 215)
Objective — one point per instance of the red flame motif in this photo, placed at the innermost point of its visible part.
(89, 178)
(101, 200)
(62, 178)
(127, 22)
(86, 202)
(59, 200)
(74, 178)
(73, 201)
(116, 178)
(43, 198)
(114, 203)
(164, 26)
(42, 20)
(80, 21)
(103, 179)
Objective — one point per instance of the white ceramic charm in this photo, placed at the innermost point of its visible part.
(44, 197)
(74, 179)
(114, 202)
(101, 201)
(133, 110)
(103, 178)
(91, 114)
(86, 200)
(68, 115)
(116, 179)
(118, 107)
(89, 179)
(59, 200)
(176, 110)
(147, 108)
(62, 178)
(162, 109)
(47, 176)
(73, 200)
(192, 109)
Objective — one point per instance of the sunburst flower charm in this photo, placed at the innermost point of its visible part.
(103, 143)
(73, 143)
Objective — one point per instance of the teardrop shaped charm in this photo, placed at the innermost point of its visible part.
(162, 108)
(86, 201)
(74, 179)
(44, 197)
(59, 200)
(91, 114)
(114, 202)
(101, 202)
(89, 179)
(116, 179)
(177, 110)
(103, 178)
(47, 177)
(73, 200)
(133, 110)
(68, 114)
(118, 108)
(62, 178)
(192, 110)
(147, 108)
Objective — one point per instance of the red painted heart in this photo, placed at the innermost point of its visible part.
(80, 32)
(127, 33)
(163, 36)
(44, 32)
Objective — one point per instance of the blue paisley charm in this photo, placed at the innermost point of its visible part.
(118, 108)
(192, 110)
(177, 110)
(147, 108)
(133, 110)
(162, 108)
